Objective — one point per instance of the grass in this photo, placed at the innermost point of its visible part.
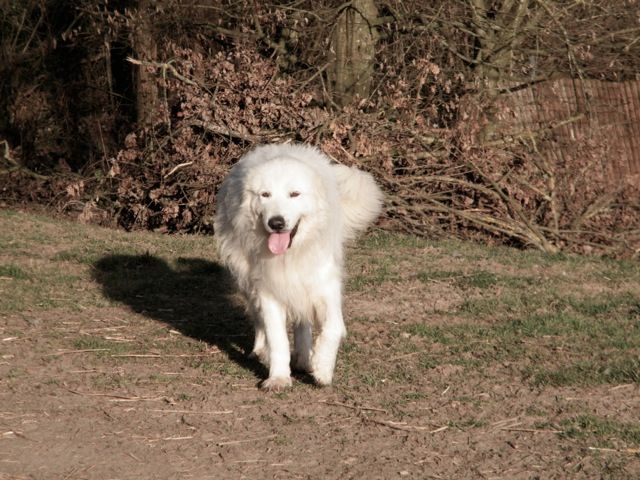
(512, 304)
(523, 305)
(103, 347)
(481, 280)
(618, 370)
(608, 432)
(438, 330)
(13, 271)
(602, 338)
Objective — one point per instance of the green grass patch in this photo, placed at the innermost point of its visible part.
(42, 287)
(381, 240)
(602, 305)
(481, 279)
(435, 333)
(413, 396)
(624, 369)
(84, 255)
(374, 273)
(13, 271)
(601, 335)
(103, 347)
(430, 276)
(606, 431)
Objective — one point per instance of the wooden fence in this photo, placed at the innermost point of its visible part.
(607, 114)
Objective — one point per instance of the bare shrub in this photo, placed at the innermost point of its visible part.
(431, 122)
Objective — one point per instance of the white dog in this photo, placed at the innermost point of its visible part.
(283, 215)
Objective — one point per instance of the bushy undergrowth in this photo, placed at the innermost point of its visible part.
(422, 133)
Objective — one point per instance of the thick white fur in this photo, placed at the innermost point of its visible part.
(330, 204)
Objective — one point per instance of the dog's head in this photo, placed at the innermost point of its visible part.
(285, 199)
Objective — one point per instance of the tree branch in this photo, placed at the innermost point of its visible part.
(15, 166)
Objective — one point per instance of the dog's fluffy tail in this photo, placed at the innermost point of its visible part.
(361, 199)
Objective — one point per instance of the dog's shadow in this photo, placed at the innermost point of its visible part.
(195, 297)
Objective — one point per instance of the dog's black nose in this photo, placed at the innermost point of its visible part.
(276, 223)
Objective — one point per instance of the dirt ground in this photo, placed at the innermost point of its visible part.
(123, 356)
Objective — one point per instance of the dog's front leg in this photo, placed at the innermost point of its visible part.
(332, 331)
(274, 319)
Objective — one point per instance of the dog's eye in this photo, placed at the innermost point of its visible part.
(294, 194)
(265, 194)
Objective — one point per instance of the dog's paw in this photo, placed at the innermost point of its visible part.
(322, 378)
(275, 384)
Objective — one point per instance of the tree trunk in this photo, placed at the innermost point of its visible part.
(352, 52)
(145, 49)
(499, 29)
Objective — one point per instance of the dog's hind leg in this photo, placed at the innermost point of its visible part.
(302, 341)
(260, 351)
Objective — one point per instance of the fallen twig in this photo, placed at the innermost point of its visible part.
(15, 166)
(117, 398)
(164, 67)
(247, 440)
(193, 412)
(339, 420)
(404, 355)
(404, 427)
(532, 430)
(353, 407)
(157, 355)
(225, 132)
(633, 451)
(178, 167)
(86, 350)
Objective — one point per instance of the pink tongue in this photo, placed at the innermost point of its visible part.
(279, 242)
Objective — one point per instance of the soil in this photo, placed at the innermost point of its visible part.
(126, 389)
